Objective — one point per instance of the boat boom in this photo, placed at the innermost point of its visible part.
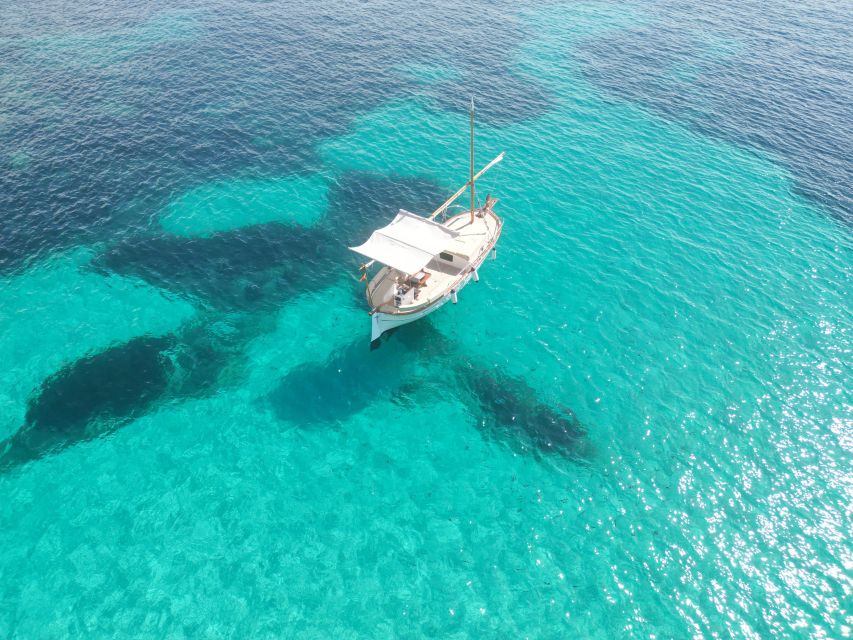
(452, 198)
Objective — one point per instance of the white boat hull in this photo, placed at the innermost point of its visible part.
(382, 322)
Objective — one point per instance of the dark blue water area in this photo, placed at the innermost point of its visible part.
(110, 131)
(108, 112)
(776, 77)
(248, 88)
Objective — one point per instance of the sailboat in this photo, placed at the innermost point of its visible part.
(426, 262)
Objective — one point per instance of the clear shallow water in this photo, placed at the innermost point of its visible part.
(669, 310)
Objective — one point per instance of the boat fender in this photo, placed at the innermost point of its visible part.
(476, 275)
(453, 297)
(495, 253)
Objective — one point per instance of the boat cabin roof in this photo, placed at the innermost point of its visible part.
(408, 243)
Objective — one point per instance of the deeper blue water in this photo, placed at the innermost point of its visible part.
(638, 424)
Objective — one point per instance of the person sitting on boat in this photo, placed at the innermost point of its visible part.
(490, 202)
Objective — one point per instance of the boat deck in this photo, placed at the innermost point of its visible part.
(472, 237)
(392, 291)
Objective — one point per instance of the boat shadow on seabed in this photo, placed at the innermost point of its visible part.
(507, 409)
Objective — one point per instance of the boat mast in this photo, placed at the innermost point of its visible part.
(472, 160)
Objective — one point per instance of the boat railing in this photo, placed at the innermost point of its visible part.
(376, 284)
(457, 209)
(371, 288)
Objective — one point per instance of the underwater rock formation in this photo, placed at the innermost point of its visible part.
(510, 410)
(90, 398)
(248, 269)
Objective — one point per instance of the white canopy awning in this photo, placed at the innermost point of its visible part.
(408, 243)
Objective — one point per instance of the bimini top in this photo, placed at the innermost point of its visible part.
(408, 243)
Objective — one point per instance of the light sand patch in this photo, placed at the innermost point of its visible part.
(228, 205)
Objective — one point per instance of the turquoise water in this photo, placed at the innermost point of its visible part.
(637, 424)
